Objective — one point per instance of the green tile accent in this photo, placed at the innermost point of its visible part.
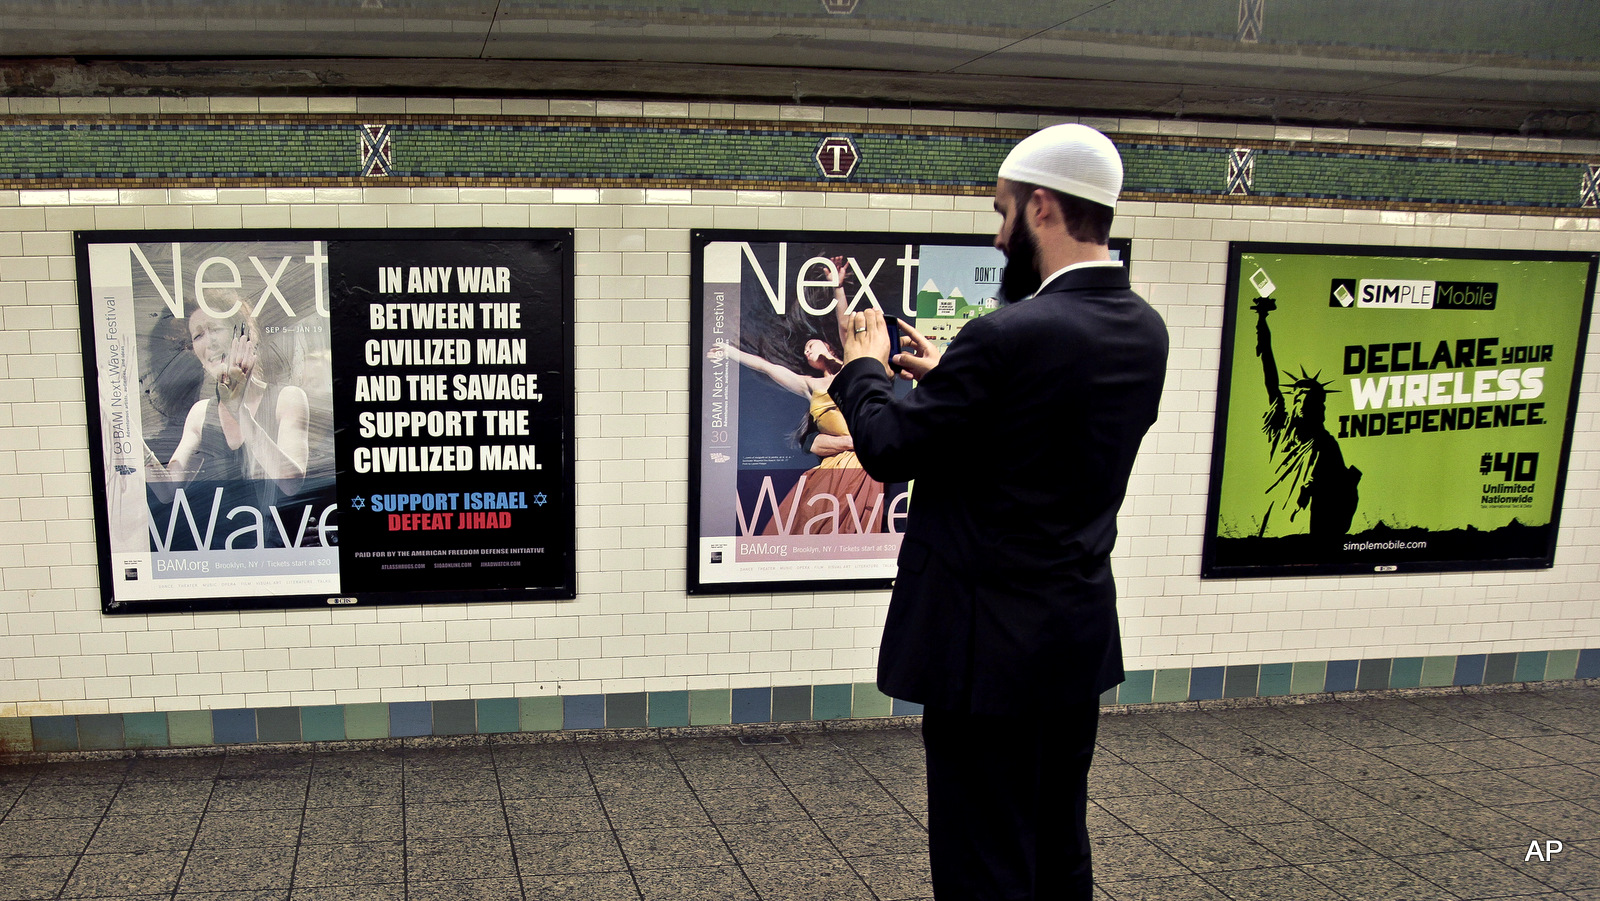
(1406, 672)
(830, 702)
(668, 708)
(714, 706)
(144, 730)
(1561, 665)
(457, 716)
(867, 701)
(1275, 679)
(278, 724)
(322, 723)
(791, 704)
(100, 731)
(625, 710)
(540, 714)
(189, 727)
(1240, 681)
(1530, 666)
(1373, 675)
(1499, 668)
(1438, 671)
(16, 732)
(366, 720)
(1308, 678)
(1171, 685)
(741, 153)
(497, 715)
(1138, 687)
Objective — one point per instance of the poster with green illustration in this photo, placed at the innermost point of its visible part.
(1393, 409)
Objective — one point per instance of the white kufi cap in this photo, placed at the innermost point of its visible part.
(1073, 159)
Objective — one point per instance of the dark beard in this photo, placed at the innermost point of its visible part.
(1021, 276)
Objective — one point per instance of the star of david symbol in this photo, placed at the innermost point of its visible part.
(358, 502)
(539, 499)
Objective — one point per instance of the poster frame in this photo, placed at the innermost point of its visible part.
(563, 531)
(695, 584)
(1210, 568)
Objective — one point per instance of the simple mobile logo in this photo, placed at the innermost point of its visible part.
(1401, 294)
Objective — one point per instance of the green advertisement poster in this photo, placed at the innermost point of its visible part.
(1393, 410)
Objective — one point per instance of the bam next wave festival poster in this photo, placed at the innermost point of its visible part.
(338, 417)
(1394, 410)
(778, 500)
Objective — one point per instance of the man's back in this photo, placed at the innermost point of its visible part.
(1020, 442)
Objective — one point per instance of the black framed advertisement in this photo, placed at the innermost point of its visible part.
(777, 500)
(1387, 409)
(308, 417)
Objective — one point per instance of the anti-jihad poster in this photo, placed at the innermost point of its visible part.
(336, 417)
(778, 500)
(1394, 410)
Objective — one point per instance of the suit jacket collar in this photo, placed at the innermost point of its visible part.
(1088, 277)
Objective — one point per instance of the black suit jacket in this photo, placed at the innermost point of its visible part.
(1020, 442)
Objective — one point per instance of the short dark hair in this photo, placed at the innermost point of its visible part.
(1085, 219)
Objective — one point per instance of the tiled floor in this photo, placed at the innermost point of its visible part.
(1377, 800)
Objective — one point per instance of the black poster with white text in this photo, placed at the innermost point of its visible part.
(290, 418)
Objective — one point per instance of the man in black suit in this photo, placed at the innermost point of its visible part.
(1021, 437)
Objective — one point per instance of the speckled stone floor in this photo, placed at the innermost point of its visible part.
(1377, 799)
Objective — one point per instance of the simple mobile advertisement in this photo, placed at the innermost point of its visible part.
(295, 418)
(778, 500)
(1394, 409)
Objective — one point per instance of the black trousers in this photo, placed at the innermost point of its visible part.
(1007, 797)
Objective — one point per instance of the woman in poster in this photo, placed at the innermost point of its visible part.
(246, 426)
(801, 355)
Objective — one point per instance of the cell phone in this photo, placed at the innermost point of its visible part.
(893, 325)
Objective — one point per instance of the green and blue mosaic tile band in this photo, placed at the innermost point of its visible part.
(45, 151)
(721, 707)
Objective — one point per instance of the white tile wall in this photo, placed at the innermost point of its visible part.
(632, 628)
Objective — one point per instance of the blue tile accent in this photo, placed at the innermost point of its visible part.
(408, 719)
(1588, 664)
(906, 708)
(233, 727)
(1341, 675)
(583, 712)
(1205, 683)
(1469, 669)
(55, 733)
(752, 705)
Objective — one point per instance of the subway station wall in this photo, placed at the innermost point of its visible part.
(633, 180)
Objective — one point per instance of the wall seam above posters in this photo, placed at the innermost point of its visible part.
(241, 150)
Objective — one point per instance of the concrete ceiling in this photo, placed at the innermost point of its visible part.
(1530, 66)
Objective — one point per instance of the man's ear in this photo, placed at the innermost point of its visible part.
(1042, 207)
